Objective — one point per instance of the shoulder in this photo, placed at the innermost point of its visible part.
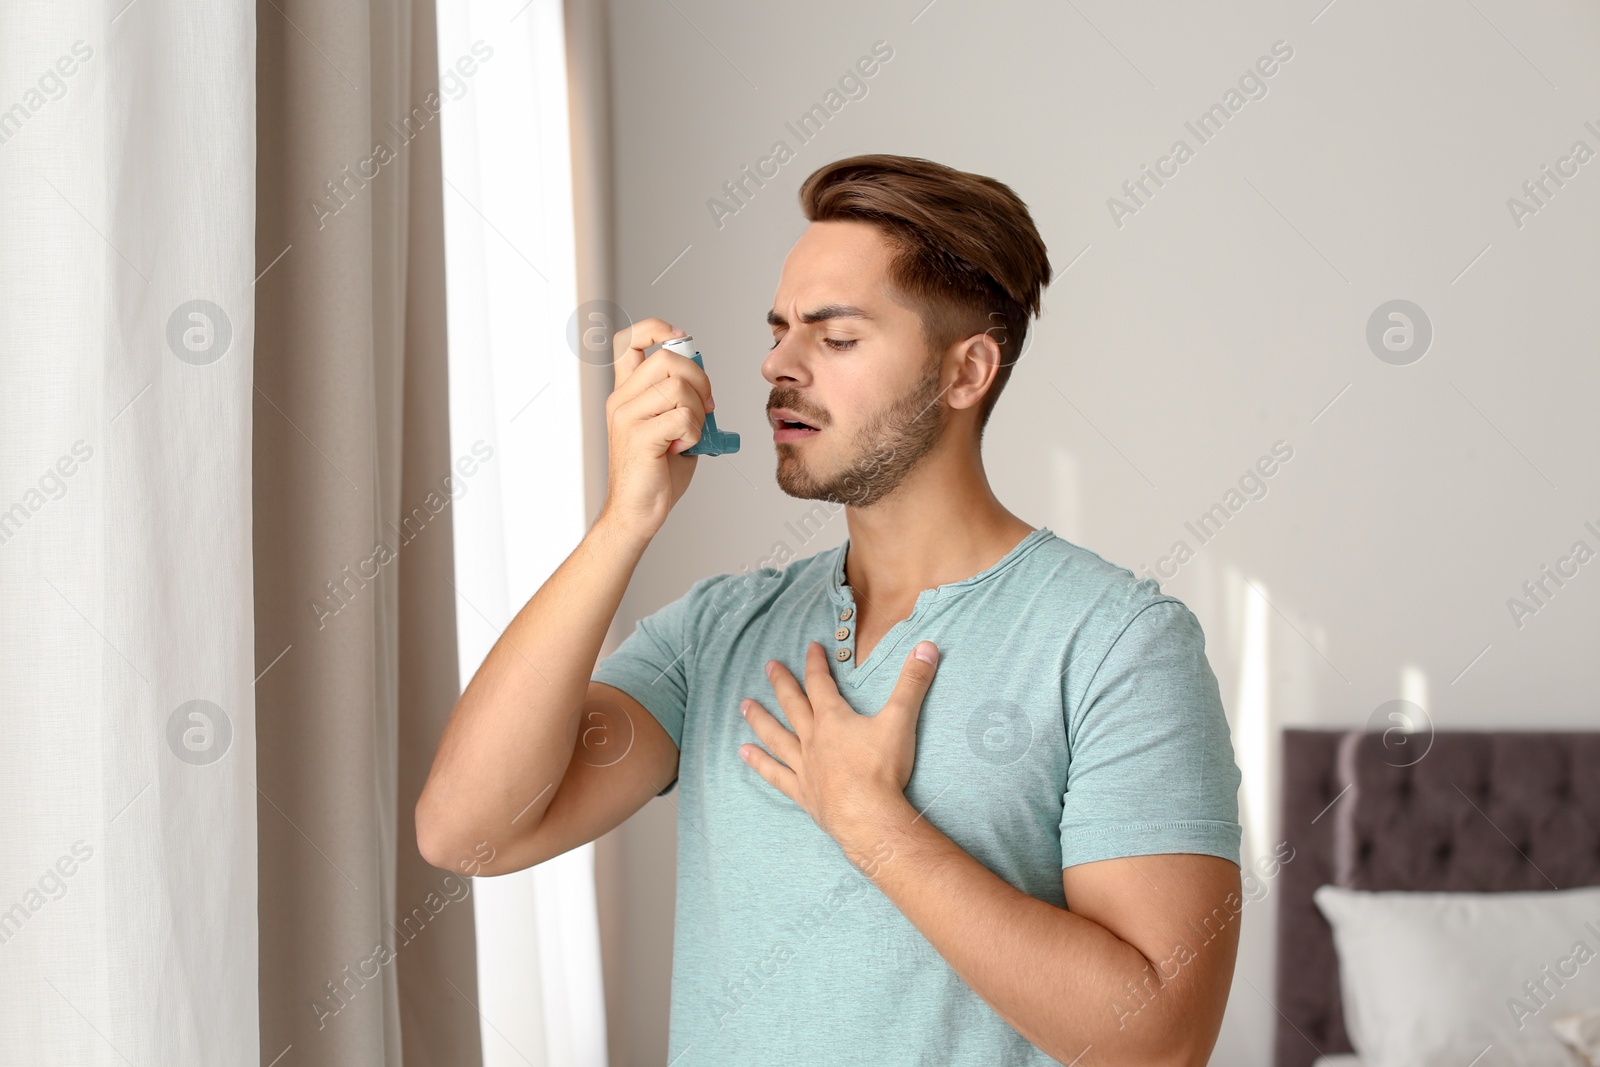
(1096, 598)
(1112, 628)
(733, 592)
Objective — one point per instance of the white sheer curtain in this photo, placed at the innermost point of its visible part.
(514, 385)
(127, 774)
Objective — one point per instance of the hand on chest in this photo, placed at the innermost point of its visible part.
(989, 739)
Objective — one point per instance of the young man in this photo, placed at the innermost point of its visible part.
(884, 753)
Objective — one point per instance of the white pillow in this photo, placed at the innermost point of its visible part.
(1432, 979)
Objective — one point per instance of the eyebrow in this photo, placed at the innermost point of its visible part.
(827, 311)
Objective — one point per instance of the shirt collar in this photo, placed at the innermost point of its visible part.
(839, 591)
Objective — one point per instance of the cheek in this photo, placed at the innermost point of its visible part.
(856, 384)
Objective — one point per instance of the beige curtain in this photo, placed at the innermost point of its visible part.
(365, 949)
(589, 101)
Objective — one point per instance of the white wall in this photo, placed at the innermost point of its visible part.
(1228, 313)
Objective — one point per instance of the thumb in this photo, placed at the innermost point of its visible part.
(915, 678)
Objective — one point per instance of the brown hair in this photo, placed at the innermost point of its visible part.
(967, 253)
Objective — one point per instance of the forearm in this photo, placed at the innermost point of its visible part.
(1055, 977)
(511, 736)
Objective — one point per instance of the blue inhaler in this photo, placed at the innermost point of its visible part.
(713, 442)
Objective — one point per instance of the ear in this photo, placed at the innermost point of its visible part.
(978, 360)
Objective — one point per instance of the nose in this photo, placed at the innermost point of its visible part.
(783, 365)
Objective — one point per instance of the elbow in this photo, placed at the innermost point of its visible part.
(453, 847)
(1188, 1055)
(1190, 1047)
(434, 839)
(431, 852)
(1174, 1043)
(1185, 1056)
(1186, 1045)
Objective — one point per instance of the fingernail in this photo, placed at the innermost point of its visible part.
(927, 652)
(744, 708)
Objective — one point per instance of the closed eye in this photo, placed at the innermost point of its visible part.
(836, 343)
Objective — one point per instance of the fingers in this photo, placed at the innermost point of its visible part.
(669, 414)
(819, 672)
(915, 678)
(776, 774)
(770, 732)
(686, 438)
(791, 697)
(628, 344)
(635, 373)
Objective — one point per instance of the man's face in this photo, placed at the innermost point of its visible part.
(862, 375)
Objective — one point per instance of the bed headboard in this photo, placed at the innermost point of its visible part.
(1481, 811)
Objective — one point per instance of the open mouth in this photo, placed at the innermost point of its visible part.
(792, 430)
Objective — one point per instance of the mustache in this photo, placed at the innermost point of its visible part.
(794, 404)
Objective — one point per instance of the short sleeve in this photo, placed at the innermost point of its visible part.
(1151, 767)
(652, 663)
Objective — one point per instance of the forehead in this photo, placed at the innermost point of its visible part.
(836, 262)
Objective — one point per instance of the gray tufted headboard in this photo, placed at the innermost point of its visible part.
(1463, 811)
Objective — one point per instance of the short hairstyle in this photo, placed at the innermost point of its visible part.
(966, 252)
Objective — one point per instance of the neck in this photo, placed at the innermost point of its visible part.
(942, 524)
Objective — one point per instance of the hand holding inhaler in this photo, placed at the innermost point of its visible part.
(658, 422)
(713, 442)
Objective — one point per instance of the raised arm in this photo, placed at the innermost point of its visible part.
(510, 756)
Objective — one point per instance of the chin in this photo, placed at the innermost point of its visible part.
(855, 494)
(796, 481)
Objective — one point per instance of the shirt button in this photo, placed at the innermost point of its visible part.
(846, 613)
(841, 633)
(842, 655)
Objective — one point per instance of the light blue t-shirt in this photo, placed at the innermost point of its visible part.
(1073, 717)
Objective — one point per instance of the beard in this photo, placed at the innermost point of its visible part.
(883, 452)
